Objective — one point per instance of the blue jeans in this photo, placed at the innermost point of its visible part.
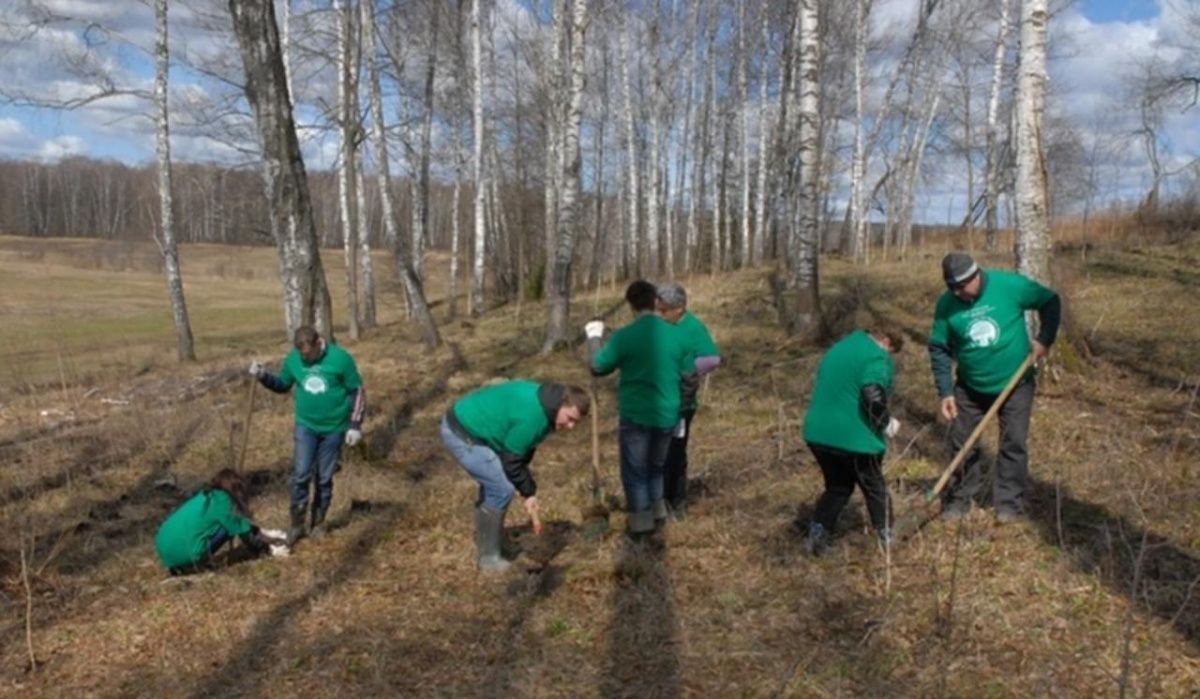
(643, 454)
(319, 452)
(484, 466)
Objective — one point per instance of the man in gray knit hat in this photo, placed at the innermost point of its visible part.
(979, 324)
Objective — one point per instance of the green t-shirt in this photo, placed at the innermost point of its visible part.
(183, 538)
(836, 417)
(988, 338)
(652, 360)
(508, 417)
(324, 389)
(698, 342)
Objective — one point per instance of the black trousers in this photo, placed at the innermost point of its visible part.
(843, 470)
(1012, 460)
(675, 469)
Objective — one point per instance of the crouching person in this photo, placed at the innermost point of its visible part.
(197, 529)
(847, 427)
(493, 432)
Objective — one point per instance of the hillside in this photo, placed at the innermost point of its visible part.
(100, 436)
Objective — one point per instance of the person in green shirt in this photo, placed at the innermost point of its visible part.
(705, 357)
(652, 360)
(847, 427)
(979, 323)
(190, 536)
(330, 403)
(493, 432)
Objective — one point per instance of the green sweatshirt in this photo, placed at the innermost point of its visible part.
(325, 389)
(183, 538)
(652, 360)
(836, 416)
(699, 342)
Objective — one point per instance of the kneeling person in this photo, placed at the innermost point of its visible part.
(847, 426)
(205, 522)
(493, 432)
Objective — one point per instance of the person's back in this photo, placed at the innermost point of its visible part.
(835, 416)
(651, 359)
(186, 537)
(508, 417)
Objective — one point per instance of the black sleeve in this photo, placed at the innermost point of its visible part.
(255, 541)
(273, 383)
(875, 405)
(1049, 317)
(942, 363)
(594, 345)
(689, 388)
(516, 469)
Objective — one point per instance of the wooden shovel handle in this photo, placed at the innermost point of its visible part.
(595, 440)
(241, 462)
(970, 443)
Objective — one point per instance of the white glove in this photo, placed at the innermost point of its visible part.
(680, 429)
(892, 429)
(280, 551)
(257, 369)
(353, 437)
(593, 329)
(273, 534)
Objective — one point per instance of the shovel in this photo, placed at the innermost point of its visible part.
(903, 529)
(241, 462)
(596, 515)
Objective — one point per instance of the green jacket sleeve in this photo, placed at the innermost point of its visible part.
(607, 359)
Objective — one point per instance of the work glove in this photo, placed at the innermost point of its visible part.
(892, 429)
(280, 551)
(593, 329)
(257, 369)
(680, 430)
(273, 536)
(353, 437)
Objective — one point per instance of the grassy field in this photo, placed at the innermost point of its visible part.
(1092, 596)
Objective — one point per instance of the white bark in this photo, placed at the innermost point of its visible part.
(559, 282)
(185, 348)
(475, 304)
(404, 269)
(760, 207)
(420, 233)
(347, 126)
(366, 264)
(633, 245)
(991, 175)
(286, 46)
(652, 179)
(744, 107)
(805, 316)
(858, 223)
(1033, 226)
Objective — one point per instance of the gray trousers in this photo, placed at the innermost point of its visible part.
(1012, 461)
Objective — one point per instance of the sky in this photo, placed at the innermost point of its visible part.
(1094, 41)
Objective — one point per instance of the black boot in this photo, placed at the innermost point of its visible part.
(296, 531)
(489, 530)
(317, 526)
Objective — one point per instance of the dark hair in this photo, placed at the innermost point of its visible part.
(575, 396)
(234, 486)
(893, 336)
(641, 295)
(305, 335)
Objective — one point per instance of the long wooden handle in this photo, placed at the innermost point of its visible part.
(246, 425)
(595, 442)
(967, 445)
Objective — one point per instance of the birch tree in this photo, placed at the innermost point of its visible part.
(420, 231)
(185, 347)
(1033, 226)
(805, 317)
(633, 242)
(760, 205)
(305, 294)
(991, 177)
(559, 283)
(346, 167)
(475, 302)
(858, 169)
(404, 270)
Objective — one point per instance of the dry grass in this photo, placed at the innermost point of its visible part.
(390, 605)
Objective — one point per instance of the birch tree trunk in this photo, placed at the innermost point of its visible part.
(744, 107)
(185, 347)
(559, 284)
(1033, 226)
(366, 264)
(420, 232)
(554, 125)
(286, 46)
(598, 246)
(305, 294)
(858, 227)
(652, 176)
(760, 207)
(347, 125)
(475, 301)
(991, 175)
(633, 244)
(404, 269)
(805, 317)
(456, 231)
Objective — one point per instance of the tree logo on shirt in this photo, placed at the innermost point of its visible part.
(983, 332)
(315, 385)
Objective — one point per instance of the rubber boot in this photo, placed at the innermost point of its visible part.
(660, 511)
(317, 528)
(489, 530)
(641, 524)
(818, 539)
(296, 531)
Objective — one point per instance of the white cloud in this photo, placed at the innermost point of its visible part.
(61, 147)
